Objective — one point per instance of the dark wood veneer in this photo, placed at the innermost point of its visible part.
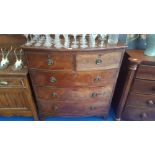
(73, 82)
(138, 97)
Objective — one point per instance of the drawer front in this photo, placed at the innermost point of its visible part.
(98, 61)
(11, 82)
(146, 72)
(143, 101)
(137, 114)
(72, 108)
(143, 86)
(50, 61)
(74, 94)
(69, 79)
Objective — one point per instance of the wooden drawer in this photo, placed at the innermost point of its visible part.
(11, 82)
(69, 79)
(143, 101)
(98, 61)
(143, 86)
(74, 94)
(50, 61)
(65, 108)
(146, 72)
(137, 114)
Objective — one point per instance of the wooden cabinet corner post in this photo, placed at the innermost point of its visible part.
(132, 68)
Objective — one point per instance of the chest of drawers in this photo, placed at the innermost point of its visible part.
(74, 82)
(138, 97)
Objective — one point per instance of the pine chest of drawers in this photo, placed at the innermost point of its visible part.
(138, 97)
(74, 82)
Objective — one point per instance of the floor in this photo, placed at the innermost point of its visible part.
(110, 118)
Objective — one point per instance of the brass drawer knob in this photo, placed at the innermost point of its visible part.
(53, 79)
(94, 94)
(144, 115)
(54, 94)
(55, 107)
(3, 83)
(153, 88)
(50, 61)
(98, 78)
(98, 61)
(150, 102)
(92, 107)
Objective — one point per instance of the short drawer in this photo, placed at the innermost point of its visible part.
(69, 79)
(72, 108)
(146, 72)
(50, 61)
(11, 82)
(143, 86)
(98, 61)
(74, 94)
(139, 100)
(137, 114)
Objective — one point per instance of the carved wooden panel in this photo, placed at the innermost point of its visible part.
(13, 98)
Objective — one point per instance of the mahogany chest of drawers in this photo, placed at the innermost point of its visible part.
(138, 98)
(74, 82)
(15, 94)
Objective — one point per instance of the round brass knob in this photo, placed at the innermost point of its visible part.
(150, 102)
(52, 79)
(92, 107)
(54, 94)
(144, 115)
(98, 61)
(50, 61)
(98, 78)
(94, 94)
(55, 107)
(153, 88)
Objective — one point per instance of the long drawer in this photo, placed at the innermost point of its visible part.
(141, 101)
(50, 61)
(138, 114)
(146, 72)
(69, 79)
(83, 108)
(98, 61)
(143, 86)
(74, 94)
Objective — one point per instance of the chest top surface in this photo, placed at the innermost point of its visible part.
(138, 55)
(106, 47)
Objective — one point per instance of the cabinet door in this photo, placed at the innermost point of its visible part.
(13, 98)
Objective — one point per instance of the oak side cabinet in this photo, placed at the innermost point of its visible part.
(15, 94)
(138, 97)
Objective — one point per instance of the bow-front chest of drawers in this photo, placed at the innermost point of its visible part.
(74, 82)
(138, 97)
